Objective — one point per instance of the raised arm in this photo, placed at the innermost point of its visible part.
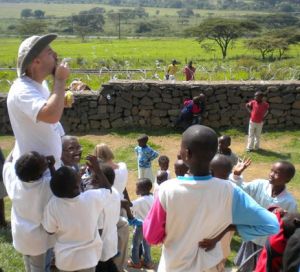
(52, 111)
(100, 178)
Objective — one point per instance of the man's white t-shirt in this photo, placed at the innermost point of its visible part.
(121, 177)
(28, 202)
(141, 206)
(24, 101)
(75, 224)
(110, 233)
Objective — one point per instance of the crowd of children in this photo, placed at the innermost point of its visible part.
(77, 217)
(89, 241)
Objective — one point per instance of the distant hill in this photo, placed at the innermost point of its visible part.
(267, 5)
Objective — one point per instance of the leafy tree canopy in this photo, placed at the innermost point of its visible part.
(222, 31)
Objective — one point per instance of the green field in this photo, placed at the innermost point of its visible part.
(155, 55)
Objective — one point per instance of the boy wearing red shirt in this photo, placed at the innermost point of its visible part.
(258, 110)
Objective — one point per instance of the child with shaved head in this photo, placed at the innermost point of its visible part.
(191, 208)
(266, 192)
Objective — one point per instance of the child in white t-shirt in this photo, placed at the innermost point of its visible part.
(140, 208)
(111, 214)
(27, 185)
(74, 218)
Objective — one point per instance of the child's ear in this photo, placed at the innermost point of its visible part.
(188, 154)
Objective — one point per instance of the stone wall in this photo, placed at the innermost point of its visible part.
(157, 104)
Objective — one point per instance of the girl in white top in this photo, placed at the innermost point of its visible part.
(27, 185)
(74, 218)
(104, 154)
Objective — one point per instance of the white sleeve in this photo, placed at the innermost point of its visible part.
(9, 177)
(136, 206)
(30, 102)
(49, 221)
(237, 180)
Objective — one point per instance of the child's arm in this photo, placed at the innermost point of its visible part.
(249, 107)
(125, 204)
(267, 112)
(131, 219)
(152, 154)
(100, 178)
(126, 195)
(251, 220)
(209, 244)
(241, 166)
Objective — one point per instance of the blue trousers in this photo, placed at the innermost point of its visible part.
(137, 240)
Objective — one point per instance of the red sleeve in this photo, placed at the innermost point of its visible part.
(154, 224)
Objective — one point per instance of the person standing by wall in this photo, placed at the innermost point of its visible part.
(172, 70)
(258, 110)
(189, 71)
(34, 113)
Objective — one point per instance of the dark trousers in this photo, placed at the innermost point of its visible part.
(108, 266)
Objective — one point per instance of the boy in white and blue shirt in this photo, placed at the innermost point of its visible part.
(145, 155)
(192, 208)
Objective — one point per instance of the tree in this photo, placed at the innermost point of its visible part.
(279, 20)
(38, 14)
(85, 23)
(144, 27)
(281, 46)
(25, 13)
(263, 44)
(141, 12)
(222, 31)
(31, 27)
(185, 13)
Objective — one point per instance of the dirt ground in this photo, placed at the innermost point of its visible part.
(170, 146)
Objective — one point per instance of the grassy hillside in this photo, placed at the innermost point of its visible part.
(155, 55)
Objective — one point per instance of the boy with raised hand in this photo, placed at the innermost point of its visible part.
(27, 185)
(258, 110)
(266, 193)
(74, 218)
(192, 208)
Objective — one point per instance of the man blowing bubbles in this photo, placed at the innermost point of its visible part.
(35, 113)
